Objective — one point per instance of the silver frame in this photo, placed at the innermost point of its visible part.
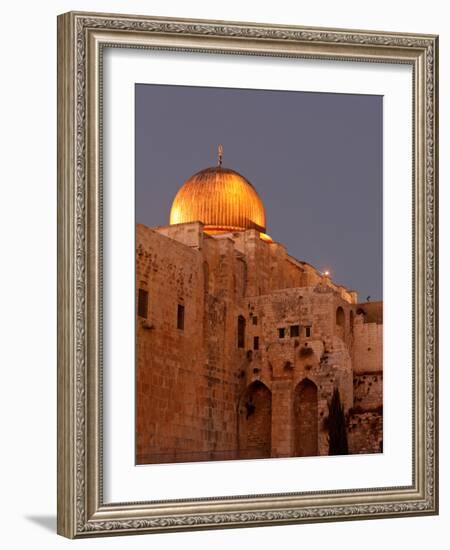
(81, 39)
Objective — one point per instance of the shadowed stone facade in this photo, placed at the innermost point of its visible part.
(239, 347)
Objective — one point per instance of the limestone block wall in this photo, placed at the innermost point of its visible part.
(368, 391)
(286, 362)
(305, 416)
(367, 346)
(190, 234)
(255, 422)
(251, 372)
(365, 433)
(185, 391)
(271, 268)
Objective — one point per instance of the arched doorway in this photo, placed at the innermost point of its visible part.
(255, 422)
(305, 419)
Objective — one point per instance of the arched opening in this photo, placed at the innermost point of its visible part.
(255, 422)
(305, 419)
(360, 311)
(340, 322)
(241, 332)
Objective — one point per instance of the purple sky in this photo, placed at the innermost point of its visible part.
(314, 158)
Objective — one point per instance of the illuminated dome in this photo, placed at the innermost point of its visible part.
(221, 198)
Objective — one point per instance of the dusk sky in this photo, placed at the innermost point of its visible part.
(314, 158)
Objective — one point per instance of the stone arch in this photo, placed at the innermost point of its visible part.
(255, 421)
(306, 419)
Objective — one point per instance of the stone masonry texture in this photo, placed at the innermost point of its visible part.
(250, 369)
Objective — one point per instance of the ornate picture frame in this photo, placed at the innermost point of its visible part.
(82, 40)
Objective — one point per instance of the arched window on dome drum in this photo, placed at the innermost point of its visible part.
(241, 332)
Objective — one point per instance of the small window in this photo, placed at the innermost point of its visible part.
(294, 331)
(340, 317)
(281, 332)
(255, 320)
(142, 303)
(241, 332)
(256, 342)
(180, 317)
(307, 332)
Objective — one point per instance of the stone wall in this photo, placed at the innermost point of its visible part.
(286, 361)
(255, 430)
(300, 339)
(186, 391)
(367, 345)
(368, 390)
(306, 419)
(365, 423)
(365, 433)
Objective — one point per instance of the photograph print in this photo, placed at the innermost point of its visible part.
(258, 273)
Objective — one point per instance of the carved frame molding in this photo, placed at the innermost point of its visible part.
(81, 39)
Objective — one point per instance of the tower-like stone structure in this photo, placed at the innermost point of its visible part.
(239, 345)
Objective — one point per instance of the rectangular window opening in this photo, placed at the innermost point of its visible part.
(307, 332)
(255, 320)
(180, 317)
(294, 331)
(256, 342)
(241, 332)
(281, 332)
(143, 303)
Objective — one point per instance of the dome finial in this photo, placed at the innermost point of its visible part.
(219, 155)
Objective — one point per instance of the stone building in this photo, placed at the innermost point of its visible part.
(239, 346)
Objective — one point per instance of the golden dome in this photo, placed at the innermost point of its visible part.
(222, 199)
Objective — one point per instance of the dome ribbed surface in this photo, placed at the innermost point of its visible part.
(222, 199)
